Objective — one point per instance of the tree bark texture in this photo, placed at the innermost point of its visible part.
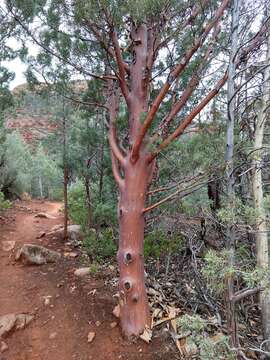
(262, 248)
(230, 237)
(135, 315)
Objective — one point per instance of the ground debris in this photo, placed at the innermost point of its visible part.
(90, 337)
(8, 245)
(4, 347)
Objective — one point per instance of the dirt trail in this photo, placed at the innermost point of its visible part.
(59, 330)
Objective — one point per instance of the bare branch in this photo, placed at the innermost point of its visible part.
(174, 74)
(171, 196)
(188, 119)
(121, 66)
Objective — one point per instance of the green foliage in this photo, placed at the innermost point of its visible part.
(158, 243)
(239, 214)
(100, 245)
(193, 323)
(216, 269)
(256, 277)
(93, 268)
(105, 213)
(4, 204)
(15, 172)
(76, 204)
(47, 177)
(209, 348)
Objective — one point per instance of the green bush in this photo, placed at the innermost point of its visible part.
(158, 243)
(4, 204)
(100, 245)
(208, 348)
(105, 214)
(76, 204)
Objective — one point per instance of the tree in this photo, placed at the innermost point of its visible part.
(124, 49)
(231, 313)
(257, 184)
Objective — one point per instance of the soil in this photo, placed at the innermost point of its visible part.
(61, 324)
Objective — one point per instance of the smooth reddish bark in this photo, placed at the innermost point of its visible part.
(133, 168)
(135, 315)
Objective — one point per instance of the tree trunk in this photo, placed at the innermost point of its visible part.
(213, 189)
(65, 176)
(40, 186)
(65, 203)
(230, 240)
(135, 315)
(88, 201)
(101, 164)
(257, 183)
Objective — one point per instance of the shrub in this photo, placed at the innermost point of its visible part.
(100, 246)
(105, 214)
(76, 204)
(158, 243)
(4, 204)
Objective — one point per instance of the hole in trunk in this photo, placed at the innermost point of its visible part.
(128, 258)
(127, 285)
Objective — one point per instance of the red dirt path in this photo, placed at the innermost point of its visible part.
(59, 330)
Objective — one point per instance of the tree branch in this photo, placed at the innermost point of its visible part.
(174, 74)
(116, 173)
(188, 119)
(169, 197)
(238, 296)
(121, 66)
(194, 81)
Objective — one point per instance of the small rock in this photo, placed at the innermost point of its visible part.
(82, 272)
(116, 311)
(11, 322)
(36, 255)
(91, 336)
(52, 335)
(113, 324)
(98, 323)
(74, 233)
(44, 216)
(8, 245)
(41, 235)
(111, 267)
(4, 347)
(47, 300)
(71, 254)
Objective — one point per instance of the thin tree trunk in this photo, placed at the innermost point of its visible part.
(65, 179)
(101, 172)
(40, 186)
(88, 201)
(230, 304)
(261, 226)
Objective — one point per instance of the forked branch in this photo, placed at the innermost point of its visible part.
(174, 74)
(188, 119)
